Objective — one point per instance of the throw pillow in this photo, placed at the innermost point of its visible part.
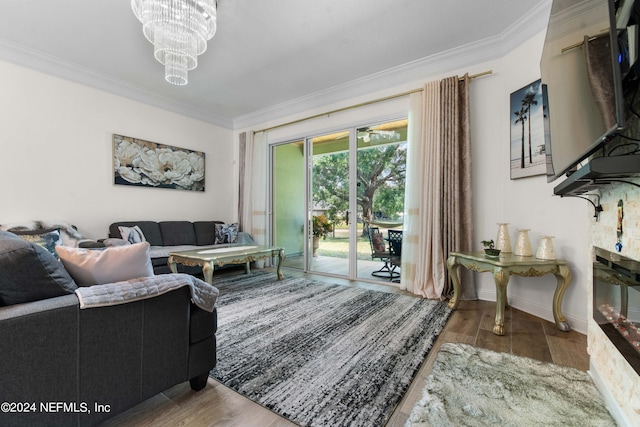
(132, 234)
(113, 264)
(226, 233)
(378, 242)
(28, 272)
(47, 238)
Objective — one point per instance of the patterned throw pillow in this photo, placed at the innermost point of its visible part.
(226, 233)
(47, 238)
(132, 234)
(378, 241)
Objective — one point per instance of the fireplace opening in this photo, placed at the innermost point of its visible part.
(616, 302)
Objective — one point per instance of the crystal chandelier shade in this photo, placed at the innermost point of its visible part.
(179, 31)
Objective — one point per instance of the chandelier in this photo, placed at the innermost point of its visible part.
(178, 30)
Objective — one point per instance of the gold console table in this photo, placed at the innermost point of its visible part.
(502, 268)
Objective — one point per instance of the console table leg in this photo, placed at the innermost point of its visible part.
(278, 270)
(452, 267)
(207, 271)
(563, 277)
(501, 278)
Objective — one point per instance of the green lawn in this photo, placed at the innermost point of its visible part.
(339, 247)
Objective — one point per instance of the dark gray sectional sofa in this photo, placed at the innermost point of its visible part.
(167, 236)
(61, 365)
(117, 356)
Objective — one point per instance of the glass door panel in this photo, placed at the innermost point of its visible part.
(381, 167)
(328, 204)
(288, 201)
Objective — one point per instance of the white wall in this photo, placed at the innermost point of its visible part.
(527, 202)
(524, 203)
(56, 139)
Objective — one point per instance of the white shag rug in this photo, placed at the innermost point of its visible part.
(471, 386)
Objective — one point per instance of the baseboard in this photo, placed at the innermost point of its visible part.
(543, 311)
(611, 404)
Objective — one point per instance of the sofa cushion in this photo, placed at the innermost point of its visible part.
(176, 233)
(226, 233)
(114, 264)
(47, 238)
(28, 272)
(205, 232)
(132, 234)
(150, 229)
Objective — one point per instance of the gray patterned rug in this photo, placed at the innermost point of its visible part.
(470, 386)
(321, 354)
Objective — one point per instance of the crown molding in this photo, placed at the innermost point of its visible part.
(47, 64)
(530, 24)
(487, 49)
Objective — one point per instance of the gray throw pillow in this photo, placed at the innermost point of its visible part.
(28, 272)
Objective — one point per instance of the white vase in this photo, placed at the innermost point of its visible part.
(523, 244)
(545, 248)
(503, 241)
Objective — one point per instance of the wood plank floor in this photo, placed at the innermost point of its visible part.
(472, 323)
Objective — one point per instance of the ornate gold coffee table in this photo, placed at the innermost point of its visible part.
(209, 257)
(502, 268)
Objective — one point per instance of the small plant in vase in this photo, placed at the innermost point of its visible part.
(489, 248)
(320, 228)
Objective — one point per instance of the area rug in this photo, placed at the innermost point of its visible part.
(322, 354)
(470, 386)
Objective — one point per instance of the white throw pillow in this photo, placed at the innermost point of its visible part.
(132, 234)
(96, 267)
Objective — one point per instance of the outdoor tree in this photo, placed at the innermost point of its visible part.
(381, 178)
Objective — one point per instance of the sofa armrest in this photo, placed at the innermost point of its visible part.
(90, 244)
(39, 354)
(245, 238)
(32, 308)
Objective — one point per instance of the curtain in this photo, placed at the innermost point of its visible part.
(253, 215)
(600, 74)
(242, 173)
(438, 217)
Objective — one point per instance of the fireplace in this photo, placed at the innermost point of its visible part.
(616, 302)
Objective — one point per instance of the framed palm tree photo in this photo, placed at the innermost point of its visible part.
(527, 132)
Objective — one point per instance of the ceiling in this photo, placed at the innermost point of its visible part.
(265, 54)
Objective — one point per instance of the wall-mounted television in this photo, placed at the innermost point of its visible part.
(583, 43)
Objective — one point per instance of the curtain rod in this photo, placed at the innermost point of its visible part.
(591, 38)
(362, 104)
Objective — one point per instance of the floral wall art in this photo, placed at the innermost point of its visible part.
(149, 164)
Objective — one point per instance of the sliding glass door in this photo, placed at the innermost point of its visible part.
(330, 190)
(381, 165)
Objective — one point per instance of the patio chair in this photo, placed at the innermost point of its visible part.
(395, 251)
(379, 251)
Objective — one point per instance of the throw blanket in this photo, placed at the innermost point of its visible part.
(202, 294)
